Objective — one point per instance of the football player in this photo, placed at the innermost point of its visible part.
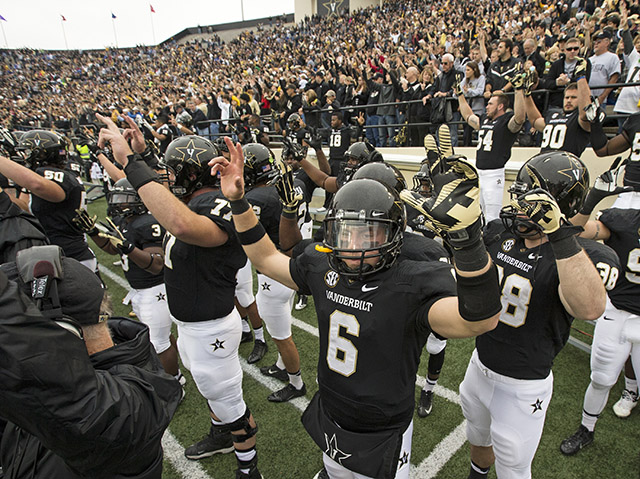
(274, 299)
(362, 414)
(547, 279)
(55, 192)
(201, 257)
(136, 237)
(497, 131)
(566, 130)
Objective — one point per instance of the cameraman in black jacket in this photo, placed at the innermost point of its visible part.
(92, 408)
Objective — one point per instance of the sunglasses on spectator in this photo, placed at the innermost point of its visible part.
(572, 49)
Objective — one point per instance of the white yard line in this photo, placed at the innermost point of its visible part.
(427, 469)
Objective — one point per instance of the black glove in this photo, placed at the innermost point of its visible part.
(111, 232)
(541, 208)
(605, 185)
(289, 197)
(85, 223)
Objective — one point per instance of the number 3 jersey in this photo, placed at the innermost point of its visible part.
(371, 335)
(143, 231)
(56, 218)
(534, 325)
(201, 281)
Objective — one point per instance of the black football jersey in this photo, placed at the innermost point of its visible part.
(56, 218)
(534, 325)
(494, 142)
(415, 220)
(631, 129)
(563, 132)
(201, 281)
(416, 247)
(142, 231)
(299, 135)
(339, 142)
(267, 207)
(624, 225)
(301, 188)
(605, 260)
(371, 335)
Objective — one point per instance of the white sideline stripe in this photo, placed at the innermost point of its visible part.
(173, 450)
(427, 469)
(174, 453)
(441, 454)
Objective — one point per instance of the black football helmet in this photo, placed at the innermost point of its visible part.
(365, 220)
(187, 157)
(42, 147)
(358, 154)
(221, 145)
(422, 182)
(294, 121)
(561, 174)
(384, 173)
(123, 200)
(259, 164)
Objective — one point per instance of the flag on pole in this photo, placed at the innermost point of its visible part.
(63, 19)
(2, 18)
(152, 10)
(113, 16)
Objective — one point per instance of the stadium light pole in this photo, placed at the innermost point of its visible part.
(64, 34)
(242, 9)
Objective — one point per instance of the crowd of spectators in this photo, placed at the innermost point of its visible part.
(364, 60)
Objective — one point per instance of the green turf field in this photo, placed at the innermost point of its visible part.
(439, 447)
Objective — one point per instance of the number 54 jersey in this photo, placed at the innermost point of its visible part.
(371, 335)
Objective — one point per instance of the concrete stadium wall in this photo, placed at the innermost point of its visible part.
(357, 4)
(304, 8)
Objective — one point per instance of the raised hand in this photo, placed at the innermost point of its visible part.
(84, 222)
(110, 231)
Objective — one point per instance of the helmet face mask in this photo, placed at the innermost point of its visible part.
(123, 200)
(359, 154)
(187, 161)
(42, 147)
(293, 121)
(422, 183)
(364, 228)
(561, 174)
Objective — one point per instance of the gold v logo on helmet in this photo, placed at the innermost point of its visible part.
(191, 153)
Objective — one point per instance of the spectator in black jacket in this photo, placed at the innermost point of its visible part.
(532, 54)
(560, 73)
(76, 409)
(443, 88)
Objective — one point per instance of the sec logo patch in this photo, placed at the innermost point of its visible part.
(507, 245)
(331, 278)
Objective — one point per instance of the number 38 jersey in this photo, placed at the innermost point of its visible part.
(56, 218)
(563, 132)
(494, 142)
(143, 231)
(371, 335)
(201, 281)
(624, 225)
(534, 325)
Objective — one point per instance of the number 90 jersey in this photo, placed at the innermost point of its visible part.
(371, 335)
(563, 132)
(201, 281)
(56, 218)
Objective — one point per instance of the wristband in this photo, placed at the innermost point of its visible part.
(470, 258)
(239, 206)
(479, 296)
(597, 136)
(581, 78)
(138, 173)
(252, 235)
(591, 201)
(126, 247)
(564, 242)
(290, 215)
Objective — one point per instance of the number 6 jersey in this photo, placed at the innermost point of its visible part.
(371, 335)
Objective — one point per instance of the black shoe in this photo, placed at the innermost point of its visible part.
(322, 474)
(582, 438)
(252, 474)
(216, 442)
(259, 350)
(425, 404)
(275, 372)
(287, 393)
(247, 337)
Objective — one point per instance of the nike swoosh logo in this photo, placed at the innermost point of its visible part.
(534, 257)
(366, 289)
(375, 214)
(608, 319)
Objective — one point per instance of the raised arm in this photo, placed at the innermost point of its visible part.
(255, 242)
(38, 185)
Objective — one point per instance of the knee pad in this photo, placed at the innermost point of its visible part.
(241, 423)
